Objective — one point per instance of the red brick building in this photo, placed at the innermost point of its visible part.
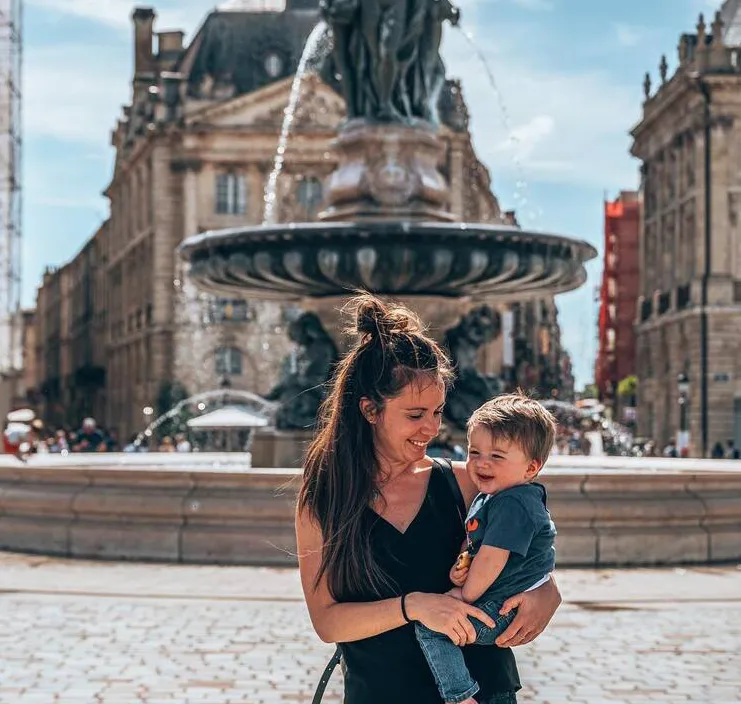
(616, 357)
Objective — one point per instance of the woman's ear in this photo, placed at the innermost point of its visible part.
(368, 409)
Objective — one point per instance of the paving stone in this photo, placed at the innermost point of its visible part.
(105, 633)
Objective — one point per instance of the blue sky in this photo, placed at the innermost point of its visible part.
(569, 73)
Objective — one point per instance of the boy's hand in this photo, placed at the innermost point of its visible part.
(456, 593)
(458, 575)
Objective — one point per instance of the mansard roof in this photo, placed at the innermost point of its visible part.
(246, 47)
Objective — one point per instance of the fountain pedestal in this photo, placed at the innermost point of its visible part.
(387, 172)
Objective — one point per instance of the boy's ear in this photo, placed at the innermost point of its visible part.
(533, 468)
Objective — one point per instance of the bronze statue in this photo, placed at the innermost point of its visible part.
(387, 55)
(471, 389)
(301, 388)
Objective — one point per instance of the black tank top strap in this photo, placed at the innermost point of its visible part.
(446, 467)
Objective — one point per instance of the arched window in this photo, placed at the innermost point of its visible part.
(228, 360)
(309, 195)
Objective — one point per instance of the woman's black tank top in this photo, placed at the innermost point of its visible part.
(390, 668)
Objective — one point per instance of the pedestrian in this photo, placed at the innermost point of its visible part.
(379, 523)
(182, 444)
(732, 452)
(89, 437)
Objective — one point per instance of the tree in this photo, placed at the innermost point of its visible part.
(628, 389)
(590, 391)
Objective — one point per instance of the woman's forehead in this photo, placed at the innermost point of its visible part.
(423, 393)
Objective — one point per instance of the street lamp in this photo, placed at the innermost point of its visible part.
(683, 437)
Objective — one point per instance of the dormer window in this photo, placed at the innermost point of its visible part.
(273, 65)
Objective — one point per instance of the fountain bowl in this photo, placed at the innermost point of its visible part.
(400, 258)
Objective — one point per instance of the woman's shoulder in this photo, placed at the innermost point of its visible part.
(467, 487)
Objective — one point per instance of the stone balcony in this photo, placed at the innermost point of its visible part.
(207, 508)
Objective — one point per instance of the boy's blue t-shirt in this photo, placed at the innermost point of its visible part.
(515, 519)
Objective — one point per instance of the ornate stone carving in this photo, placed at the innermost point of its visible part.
(301, 389)
(386, 171)
(475, 329)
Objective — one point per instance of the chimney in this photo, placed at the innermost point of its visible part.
(144, 63)
(170, 42)
(170, 49)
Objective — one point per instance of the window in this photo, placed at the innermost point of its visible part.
(229, 310)
(309, 195)
(228, 360)
(231, 194)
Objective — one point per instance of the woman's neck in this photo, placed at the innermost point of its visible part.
(390, 470)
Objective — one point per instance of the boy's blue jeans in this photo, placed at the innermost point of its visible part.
(445, 659)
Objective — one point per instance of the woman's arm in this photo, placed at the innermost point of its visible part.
(535, 609)
(346, 622)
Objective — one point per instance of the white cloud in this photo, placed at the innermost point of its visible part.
(569, 129)
(70, 97)
(117, 13)
(627, 34)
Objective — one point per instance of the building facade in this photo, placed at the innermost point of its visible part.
(689, 310)
(616, 355)
(121, 326)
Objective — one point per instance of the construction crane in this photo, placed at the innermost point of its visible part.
(11, 52)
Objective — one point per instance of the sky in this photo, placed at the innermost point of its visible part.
(552, 126)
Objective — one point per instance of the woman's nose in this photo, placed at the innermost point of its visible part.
(432, 427)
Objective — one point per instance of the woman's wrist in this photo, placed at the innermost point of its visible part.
(411, 602)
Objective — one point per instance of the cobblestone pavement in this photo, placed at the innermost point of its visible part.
(89, 633)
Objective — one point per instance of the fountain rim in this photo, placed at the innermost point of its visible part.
(317, 231)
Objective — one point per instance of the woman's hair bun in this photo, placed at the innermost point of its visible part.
(377, 319)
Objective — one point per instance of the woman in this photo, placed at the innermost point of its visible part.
(378, 525)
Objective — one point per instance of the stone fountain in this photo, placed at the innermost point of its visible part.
(386, 226)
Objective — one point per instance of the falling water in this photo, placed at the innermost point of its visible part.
(318, 45)
(520, 194)
(200, 400)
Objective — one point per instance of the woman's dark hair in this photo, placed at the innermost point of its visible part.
(341, 468)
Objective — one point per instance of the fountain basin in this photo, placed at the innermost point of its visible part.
(401, 258)
(207, 508)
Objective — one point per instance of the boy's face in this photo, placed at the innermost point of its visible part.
(497, 464)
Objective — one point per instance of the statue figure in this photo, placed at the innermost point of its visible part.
(301, 388)
(387, 53)
(471, 388)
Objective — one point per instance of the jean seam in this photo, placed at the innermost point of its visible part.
(438, 680)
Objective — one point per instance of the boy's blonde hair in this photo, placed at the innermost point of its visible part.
(520, 420)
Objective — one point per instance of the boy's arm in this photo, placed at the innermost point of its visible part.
(485, 569)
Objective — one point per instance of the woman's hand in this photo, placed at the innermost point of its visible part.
(535, 609)
(447, 615)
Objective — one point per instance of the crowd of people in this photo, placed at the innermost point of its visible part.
(26, 434)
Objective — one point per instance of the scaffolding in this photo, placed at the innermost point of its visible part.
(11, 49)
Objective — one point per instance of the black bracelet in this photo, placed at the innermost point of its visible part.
(404, 609)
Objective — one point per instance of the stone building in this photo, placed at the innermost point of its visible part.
(689, 311)
(121, 326)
